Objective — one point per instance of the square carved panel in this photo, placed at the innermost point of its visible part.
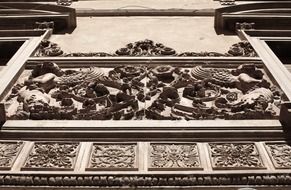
(113, 157)
(235, 156)
(280, 154)
(8, 153)
(52, 156)
(174, 156)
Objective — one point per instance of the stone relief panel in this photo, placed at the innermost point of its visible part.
(113, 157)
(141, 92)
(52, 156)
(8, 153)
(235, 156)
(174, 157)
(280, 154)
(146, 48)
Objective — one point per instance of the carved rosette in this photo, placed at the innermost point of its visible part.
(8, 154)
(52, 156)
(174, 157)
(280, 154)
(113, 157)
(235, 156)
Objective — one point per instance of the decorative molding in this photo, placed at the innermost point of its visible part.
(64, 2)
(235, 156)
(52, 156)
(113, 157)
(8, 153)
(157, 180)
(280, 154)
(174, 156)
(145, 48)
(227, 2)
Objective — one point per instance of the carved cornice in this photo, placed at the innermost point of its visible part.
(265, 15)
(146, 48)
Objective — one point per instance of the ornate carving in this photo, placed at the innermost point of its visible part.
(145, 92)
(174, 156)
(147, 48)
(243, 49)
(113, 157)
(48, 49)
(8, 153)
(44, 25)
(64, 2)
(235, 156)
(244, 26)
(171, 180)
(227, 2)
(280, 154)
(50, 155)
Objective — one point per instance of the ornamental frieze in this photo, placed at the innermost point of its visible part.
(174, 156)
(280, 154)
(145, 48)
(8, 153)
(235, 156)
(144, 92)
(113, 157)
(52, 156)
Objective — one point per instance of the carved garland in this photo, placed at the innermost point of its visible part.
(145, 48)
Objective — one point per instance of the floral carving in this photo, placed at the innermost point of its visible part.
(52, 156)
(113, 156)
(147, 48)
(235, 156)
(174, 156)
(8, 153)
(280, 154)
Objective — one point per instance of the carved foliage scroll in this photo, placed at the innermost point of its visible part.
(113, 157)
(280, 154)
(8, 154)
(174, 156)
(52, 156)
(145, 48)
(235, 156)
